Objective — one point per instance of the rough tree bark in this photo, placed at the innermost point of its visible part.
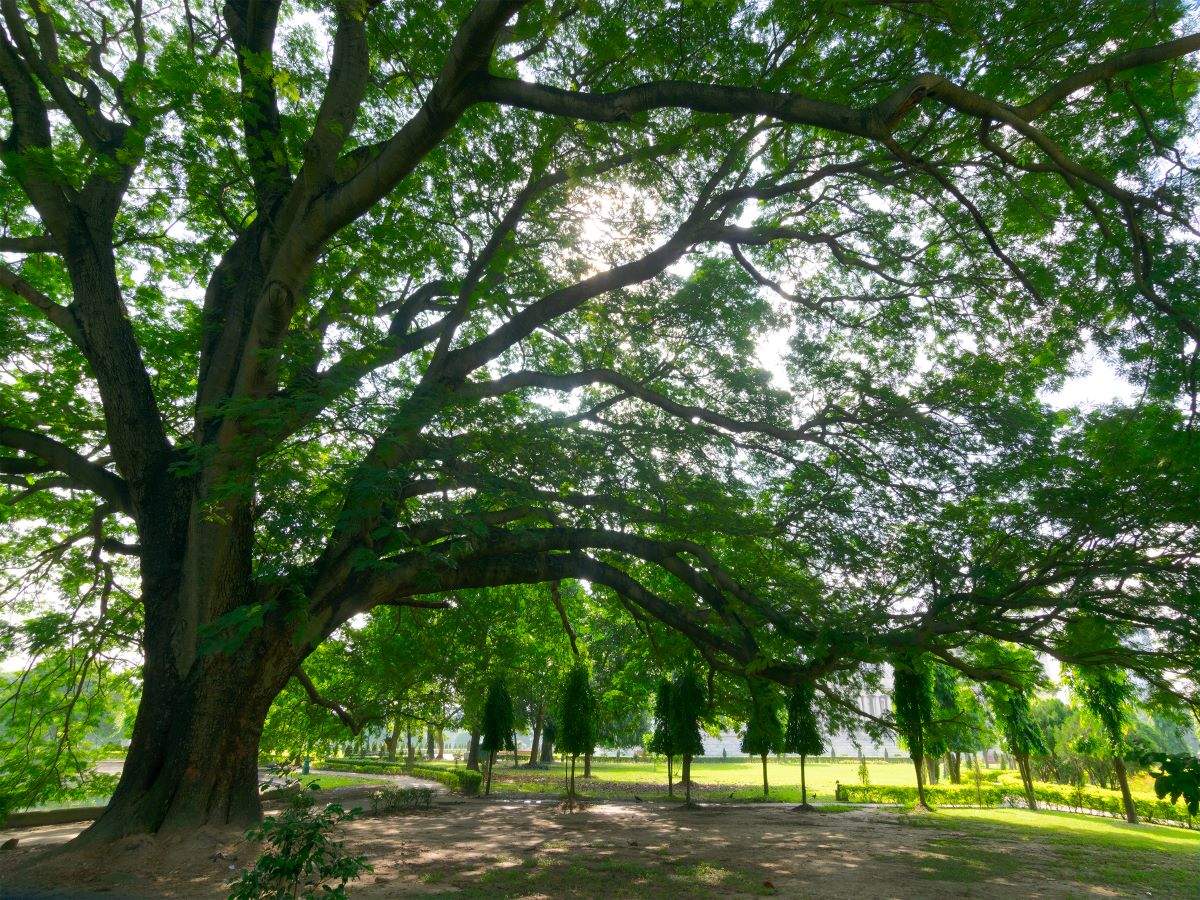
(535, 745)
(473, 751)
(1026, 779)
(392, 740)
(919, 765)
(1126, 797)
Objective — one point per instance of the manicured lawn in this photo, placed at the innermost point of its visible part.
(1107, 852)
(329, 782)
(723, 779)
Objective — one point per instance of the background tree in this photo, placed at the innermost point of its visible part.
(577, 715)
(497, 727)
(688, 701)
(764, 733)
(663, 740)
(967, 731)
(913, 704)
(1011, 707)
(1106, 694)
(803, 733)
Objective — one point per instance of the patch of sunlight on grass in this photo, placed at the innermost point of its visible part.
(1060, 827)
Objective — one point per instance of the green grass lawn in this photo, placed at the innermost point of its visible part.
(329, 782)
(1062, 846)
(718, 779)
(725, 779)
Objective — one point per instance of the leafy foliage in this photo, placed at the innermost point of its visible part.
(576, 732)
(1177, 775)
(497, 731)
(803, 731)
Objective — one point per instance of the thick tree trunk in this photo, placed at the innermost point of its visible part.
(429, 742)
(587, 765)
(686, 775)
(1126, 797)
(1026, 780)
(441, 743)
(547, 748)
(535, 744)
(919, 765)
(410, 751)
(954, 764)
(392, 741)
(933, 768)
(766, 791)
(193, 758)
(473, 751)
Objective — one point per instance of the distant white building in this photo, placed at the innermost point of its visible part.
(729, 743)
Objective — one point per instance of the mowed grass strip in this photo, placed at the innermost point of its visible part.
(1065, 849)
(737, 779)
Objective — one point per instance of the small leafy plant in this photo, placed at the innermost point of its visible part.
(302, 859)
(1177, 775)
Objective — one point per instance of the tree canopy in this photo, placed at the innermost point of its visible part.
(743, 313)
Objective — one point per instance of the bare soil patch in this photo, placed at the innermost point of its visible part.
(513, 848)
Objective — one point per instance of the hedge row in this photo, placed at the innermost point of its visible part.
(463, 781)
(1064, 796)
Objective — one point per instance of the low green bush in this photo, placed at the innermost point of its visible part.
(463, 781)
(1073, 798)
(392, 799)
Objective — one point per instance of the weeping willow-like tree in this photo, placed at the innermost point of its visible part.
(497, 727)
(576, 734)
(803, 734)
(764, 731)
(663, 739)
(688, 701)
(912, 706)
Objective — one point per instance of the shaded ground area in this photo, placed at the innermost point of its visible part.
(531, 849)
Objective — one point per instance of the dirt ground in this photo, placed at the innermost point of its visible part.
(528, 848)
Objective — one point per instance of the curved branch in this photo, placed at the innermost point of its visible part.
(82, 471)
(61, 316)
(347, 718)
(550, 381)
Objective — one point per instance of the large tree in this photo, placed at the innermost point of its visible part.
(310, 308)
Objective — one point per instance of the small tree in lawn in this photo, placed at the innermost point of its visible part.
(1106, 694)
(802, 735)
(1021, 734)
(687, 705)
(577, 715)
(497, 732)
(764, 734)
(663, 741)
(912, 700)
